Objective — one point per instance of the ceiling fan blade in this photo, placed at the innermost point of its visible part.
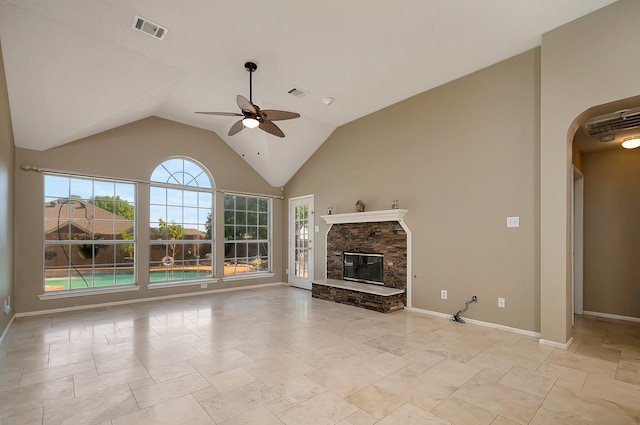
(271, 128)
(273, 115)
(236, 128)
(224, 114)
(246, 105)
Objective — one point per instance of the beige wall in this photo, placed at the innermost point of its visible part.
(584, 63)
(460, 158)
(612, 232)
(128, 152)
(6, 200)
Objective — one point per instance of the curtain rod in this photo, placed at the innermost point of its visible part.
(41, 170)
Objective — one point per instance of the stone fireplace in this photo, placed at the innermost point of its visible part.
(376, 231)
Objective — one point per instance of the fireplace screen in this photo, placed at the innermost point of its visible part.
(363, 267)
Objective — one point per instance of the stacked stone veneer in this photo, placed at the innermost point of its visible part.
(381, 303)
(385, 237)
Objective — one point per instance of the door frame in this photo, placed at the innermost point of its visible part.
(578, 240)
(292, 280)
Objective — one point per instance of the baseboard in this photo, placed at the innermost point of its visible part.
(143, 300)
(611, 316)
(478, 322)
(556, 344)
(6, 330)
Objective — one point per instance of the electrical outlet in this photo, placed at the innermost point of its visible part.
(501, 303)
(443, 294)
(513, 221)
(7, 306)
(203, 286)
(474, 299)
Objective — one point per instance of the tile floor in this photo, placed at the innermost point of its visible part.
(276, 356)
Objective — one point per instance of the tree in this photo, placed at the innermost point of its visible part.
(115, 205)
(127, 248)
(173, 231)
(208, 225)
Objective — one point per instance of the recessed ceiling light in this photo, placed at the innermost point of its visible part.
(607, 138)
(631, 142)
(328, 100)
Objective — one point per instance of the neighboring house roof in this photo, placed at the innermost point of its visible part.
(77, 216)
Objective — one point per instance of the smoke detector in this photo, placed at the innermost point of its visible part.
(150, 28)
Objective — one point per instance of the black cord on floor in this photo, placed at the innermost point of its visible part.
(456, 317)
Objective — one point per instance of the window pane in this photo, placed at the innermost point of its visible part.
(174, 215)
(80, 188)
(205, 200)
(56, 186)
(157, 195)
(174, 197)
(102, 188)
(190, 198)
(241, 218)
(241, 203)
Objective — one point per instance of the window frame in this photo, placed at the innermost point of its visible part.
(268, 272)
(80, 240)
(176, 276)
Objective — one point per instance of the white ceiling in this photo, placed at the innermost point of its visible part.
(76, 67)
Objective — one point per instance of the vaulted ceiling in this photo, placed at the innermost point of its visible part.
(76, 67)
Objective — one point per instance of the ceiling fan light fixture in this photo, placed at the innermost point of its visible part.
(250, 122)
(631, 143)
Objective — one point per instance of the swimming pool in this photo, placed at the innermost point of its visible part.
(126, 277)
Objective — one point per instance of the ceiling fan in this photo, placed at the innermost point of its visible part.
(252, 115)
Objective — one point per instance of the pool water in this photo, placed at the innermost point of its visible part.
(121, 278)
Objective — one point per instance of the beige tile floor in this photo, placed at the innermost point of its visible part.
(276, 356)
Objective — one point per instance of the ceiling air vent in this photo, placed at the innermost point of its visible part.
(151, 28)
(626, 119)
(296, 92)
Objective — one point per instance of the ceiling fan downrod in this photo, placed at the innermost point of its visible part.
(251, 67)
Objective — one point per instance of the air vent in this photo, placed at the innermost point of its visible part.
(296, 92)
(626, 119)
(151, 28)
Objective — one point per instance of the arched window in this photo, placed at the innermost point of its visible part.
(181, 222)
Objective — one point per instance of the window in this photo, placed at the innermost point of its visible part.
(181, 217)
(89, 233)
(247, 234)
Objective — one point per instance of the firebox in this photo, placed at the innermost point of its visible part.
(366, 267)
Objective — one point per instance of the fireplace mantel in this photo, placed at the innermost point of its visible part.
(365, 217)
